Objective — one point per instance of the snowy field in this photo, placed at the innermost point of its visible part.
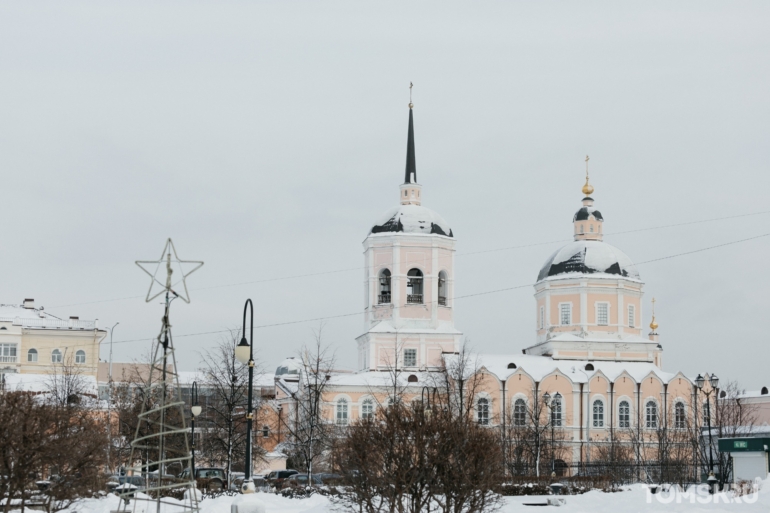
(634, 499)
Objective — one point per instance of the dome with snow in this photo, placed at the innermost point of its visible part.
(412, 219)
(588, 257)
(583, 213)
(289, 369)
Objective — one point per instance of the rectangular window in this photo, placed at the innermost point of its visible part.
(542, 317)
(602, 314)
(8, 353)
(410, 357)
(631, 316)
(565, 314)
(624, 417)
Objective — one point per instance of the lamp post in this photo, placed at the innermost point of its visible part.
(195, 410)
(714, 382)
(244, 352)
(551, 403)
(109, 404)
(427, 410)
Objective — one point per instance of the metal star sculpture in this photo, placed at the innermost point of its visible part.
(171, 262)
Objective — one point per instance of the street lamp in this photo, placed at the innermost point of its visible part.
(244, 352)
(195, 409)
(427, 409)
(714, 382)
(552, 403)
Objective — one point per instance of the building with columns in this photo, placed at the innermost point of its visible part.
(591, 355)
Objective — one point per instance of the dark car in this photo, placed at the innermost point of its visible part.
(277, 477)
(301, 481)
(208, 478)
(115, 482)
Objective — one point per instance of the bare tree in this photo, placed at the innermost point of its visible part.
(66, 384)
(309, 434)
(226, 392)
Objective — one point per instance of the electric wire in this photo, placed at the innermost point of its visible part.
(464, 296)
(360, 268)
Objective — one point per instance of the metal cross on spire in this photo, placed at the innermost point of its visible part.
(411, 85)
(587, 159)
(168, 284)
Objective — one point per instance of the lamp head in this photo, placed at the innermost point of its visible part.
(700, 381)
(557, 396)
(547, 398)
(196, 410)
(243, 351)
(714, 380)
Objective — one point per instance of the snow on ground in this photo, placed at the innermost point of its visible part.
(634, 499)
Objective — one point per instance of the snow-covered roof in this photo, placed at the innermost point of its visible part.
(539, 367)
(444, 328)
(588, 257)
(36, 318)
(412, 219)
(40, 383)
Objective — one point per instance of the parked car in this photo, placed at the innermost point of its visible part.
(208, 478)
(116, 481)
(276, 477)
(300, 481)
(260, 484)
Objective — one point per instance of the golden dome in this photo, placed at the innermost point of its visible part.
(653, 324)
(588, 189)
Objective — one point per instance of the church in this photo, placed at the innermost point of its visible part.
(591, 371)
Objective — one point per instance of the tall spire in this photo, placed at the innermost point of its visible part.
(411, 166)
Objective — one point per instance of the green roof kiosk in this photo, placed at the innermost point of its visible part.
(750, 457)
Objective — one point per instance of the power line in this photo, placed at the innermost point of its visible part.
(465, 296)
(493, 250)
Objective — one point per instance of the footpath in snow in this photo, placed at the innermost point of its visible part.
(635, 499)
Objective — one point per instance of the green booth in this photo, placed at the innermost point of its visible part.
(750, 457)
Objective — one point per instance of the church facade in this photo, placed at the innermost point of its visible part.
(591, 372)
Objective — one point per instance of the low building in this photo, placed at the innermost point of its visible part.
(33, 341)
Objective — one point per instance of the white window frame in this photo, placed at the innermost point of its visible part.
(9, 352)
(597, 307)
(79, 353)
(632, 316)
(410, 350)
(620, 414)
(342, 411)
(30, 353)
(677, 424)
(482, 412)
(561, 314)
(597, 418)
(57, 356)
(367, 414)
(648, 424)
(556, 411)
(516, 421)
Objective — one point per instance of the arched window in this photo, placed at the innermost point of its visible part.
(511, 365)
(556, 411)
(412, 378)
(598, 414)
(384, 297)
(705, 411)
(763, 391)
(56, 356)
(592, 228)
(482, 411)
(680, 420)
(442, 288)
(519, 412)
(414, 286)
(367, 409)
(80, 356)
(581, 229)
(651, 415)
(32, 355)
(589, 366)
(624, 414)
(342, 412)
(265, 431)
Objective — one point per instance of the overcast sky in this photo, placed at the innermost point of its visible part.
(266, 138)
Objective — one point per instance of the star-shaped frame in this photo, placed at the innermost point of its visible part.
(170, 258)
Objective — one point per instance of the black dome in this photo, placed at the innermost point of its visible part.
(583, 213)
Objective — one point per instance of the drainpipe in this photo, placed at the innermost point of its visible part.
(505, 433)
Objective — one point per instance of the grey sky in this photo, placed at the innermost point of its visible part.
(266, 138)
